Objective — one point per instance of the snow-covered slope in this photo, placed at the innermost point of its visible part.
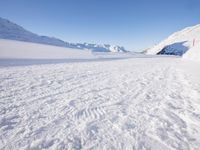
(26, 50)
(180, 43)
(12, 31)
(27, 53)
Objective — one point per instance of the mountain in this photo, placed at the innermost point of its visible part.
(12, 31)
(184, 43)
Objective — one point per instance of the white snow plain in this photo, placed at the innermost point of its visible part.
(135, 103)
(59, 98)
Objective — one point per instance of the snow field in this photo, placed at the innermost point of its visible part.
(138, 103)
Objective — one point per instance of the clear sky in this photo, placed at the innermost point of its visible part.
(134, 24)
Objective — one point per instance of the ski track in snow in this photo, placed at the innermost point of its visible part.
(139, 103)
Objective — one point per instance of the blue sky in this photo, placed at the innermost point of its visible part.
(134, 24)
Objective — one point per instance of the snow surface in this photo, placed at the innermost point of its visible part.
(193, 53)
(180, 43)
(135, 103)
(17, 49)
(17, 53)
(12, 31)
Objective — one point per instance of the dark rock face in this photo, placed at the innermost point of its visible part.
(174, 49)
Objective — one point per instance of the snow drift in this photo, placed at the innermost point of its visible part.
(12, 31)
(193, 53)
(184, 43)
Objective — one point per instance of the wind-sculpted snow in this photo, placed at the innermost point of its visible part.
(138, 103)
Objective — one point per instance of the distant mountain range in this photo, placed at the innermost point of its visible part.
(12, 31)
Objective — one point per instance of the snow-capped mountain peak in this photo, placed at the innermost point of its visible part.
(180, 43)
(12, 31)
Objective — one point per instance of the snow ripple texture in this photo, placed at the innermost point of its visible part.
(140, 104)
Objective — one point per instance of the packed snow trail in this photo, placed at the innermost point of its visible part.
(139, 103)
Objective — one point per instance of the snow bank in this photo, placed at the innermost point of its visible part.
(193, 53)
